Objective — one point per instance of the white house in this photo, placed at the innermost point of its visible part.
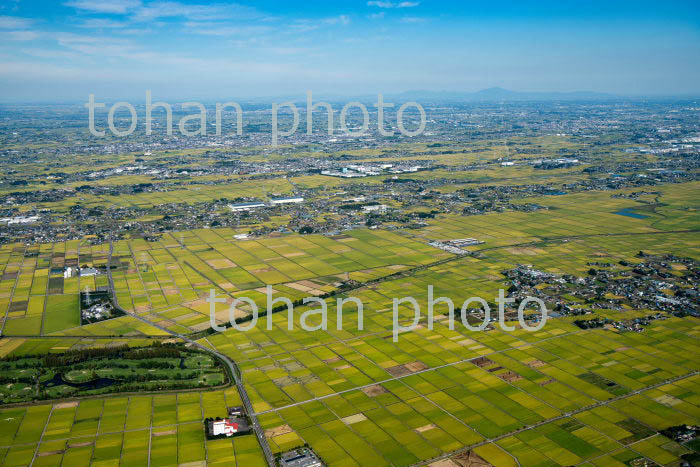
(224, 427)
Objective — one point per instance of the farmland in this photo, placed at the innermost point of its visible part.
(157, 237)
(127, 430)
(355, 396)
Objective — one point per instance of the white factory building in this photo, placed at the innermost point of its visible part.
(292, 200)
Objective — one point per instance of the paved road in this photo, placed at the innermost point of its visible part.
(233, 368)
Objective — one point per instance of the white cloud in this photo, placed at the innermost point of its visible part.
(139, 11)
(289, 50)
(214, 11)
(14, 22)
(50, 53)
(18, 35)
(101, 6)
(304, 25)
(99, 23)
(342, 19)
(385, 4)
(413, 19)
(100, 46)
(16, 29)
(223, 30)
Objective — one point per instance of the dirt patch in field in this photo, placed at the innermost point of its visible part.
(521, 251)
(280, 430)
(471, 459)
(193, 464)
(416, 366)
(221, 263)
(483, 362)
(358, 417)
(423, 428)
(81, 445)
(407, 369)
(668, 400)
(311, 284)
(374, 390)
(49, 453)
(65, 405)
(304, 287)
(536, 364)
(444, 463)
(200, 326)
(510, 376)
(298, 286)
(398, 370)
(259, 270)
(164, 433)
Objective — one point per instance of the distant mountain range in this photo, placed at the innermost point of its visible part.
(496, 94)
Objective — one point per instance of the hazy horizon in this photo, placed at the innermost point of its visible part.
(485, 95)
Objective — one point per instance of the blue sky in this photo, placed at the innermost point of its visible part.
(64, 50)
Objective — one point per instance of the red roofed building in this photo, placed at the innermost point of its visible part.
(228, 426)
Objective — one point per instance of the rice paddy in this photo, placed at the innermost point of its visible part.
(558, 396)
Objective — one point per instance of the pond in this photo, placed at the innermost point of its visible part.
(630, 213)
(98, 383)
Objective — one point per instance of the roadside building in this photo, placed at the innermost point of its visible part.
(302, 457)
(228, 426)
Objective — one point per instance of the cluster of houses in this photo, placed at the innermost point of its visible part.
(682, 433)
(96, 305)
(651, 284)
(631, 325)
